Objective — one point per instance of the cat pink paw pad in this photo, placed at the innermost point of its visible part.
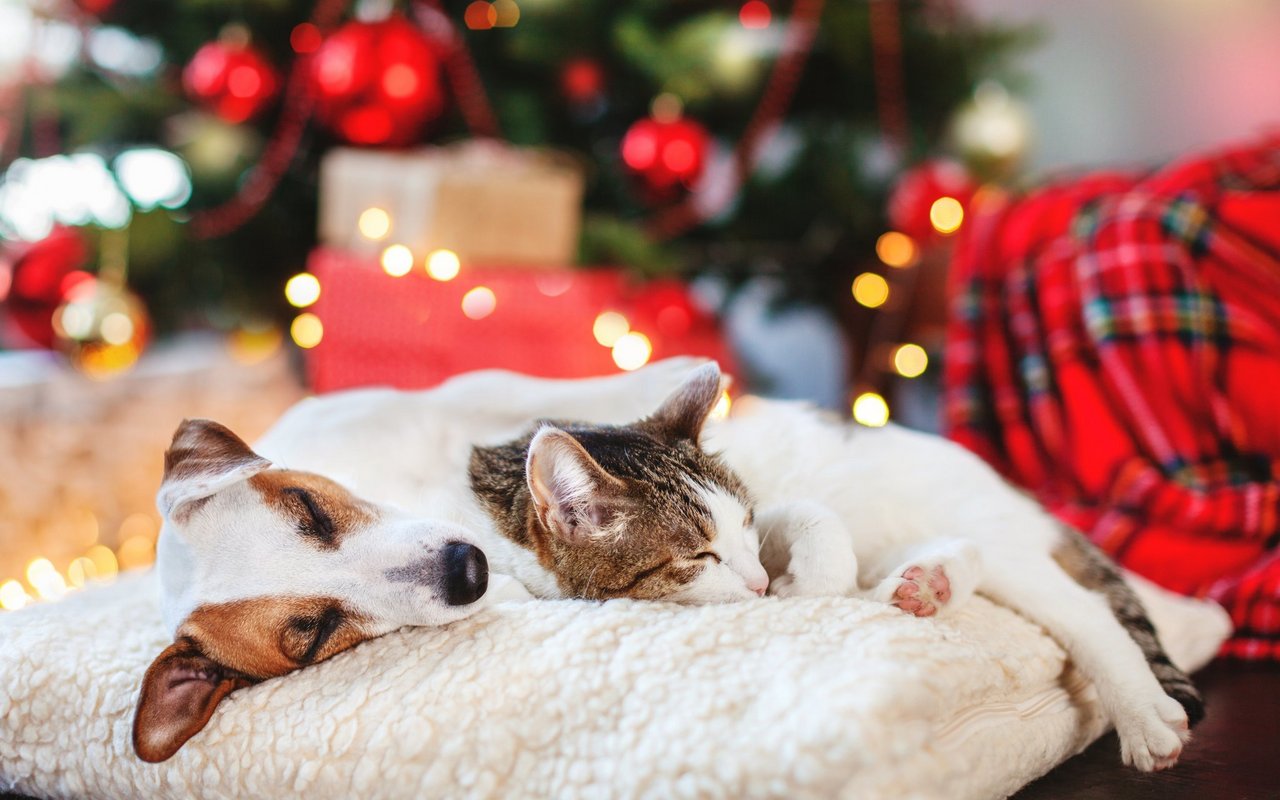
(922, 591)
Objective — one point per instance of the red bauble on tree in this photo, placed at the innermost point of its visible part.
(230, 78)
(667, 155)
(914, 207)
(43, 273)
(582, 81)
(377, 83)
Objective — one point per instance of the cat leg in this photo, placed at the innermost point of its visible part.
(1152, 726)
(930, 577)
(806, 550)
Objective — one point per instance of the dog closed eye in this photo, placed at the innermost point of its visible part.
(314, 521)
(306, 635)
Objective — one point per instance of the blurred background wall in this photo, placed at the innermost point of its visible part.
(1129, 82)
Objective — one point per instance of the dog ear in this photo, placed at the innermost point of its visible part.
(204, 458)
(684, 412)
(575, 498)
(180, 691)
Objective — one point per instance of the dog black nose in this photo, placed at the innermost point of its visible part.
(466, 573)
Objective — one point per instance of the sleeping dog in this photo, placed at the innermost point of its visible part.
(265, 568)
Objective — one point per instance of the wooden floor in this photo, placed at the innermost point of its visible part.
(1234, 755)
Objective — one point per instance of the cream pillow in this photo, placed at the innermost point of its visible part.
(799, 698)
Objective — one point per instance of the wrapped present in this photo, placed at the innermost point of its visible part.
(413, 331)
(487, 202)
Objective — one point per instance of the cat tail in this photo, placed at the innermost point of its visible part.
(1092, 569)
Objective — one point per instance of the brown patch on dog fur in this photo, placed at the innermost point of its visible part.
(202, 447)
(265, 637)
(324, 511)
(228, 646)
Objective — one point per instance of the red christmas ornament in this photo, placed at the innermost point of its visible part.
(377, 83)
(913, 198)
(582, 80)
(666, 155)
(95, 7)
(42, 274)
(231, 79)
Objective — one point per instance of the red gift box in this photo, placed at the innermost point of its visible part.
(412, 332)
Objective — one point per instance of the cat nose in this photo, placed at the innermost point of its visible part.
(466, 573)
(758, 584)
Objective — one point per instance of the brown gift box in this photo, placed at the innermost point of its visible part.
(488, 202)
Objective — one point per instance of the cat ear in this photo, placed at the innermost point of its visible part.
(180, 691)
(204, 458)
(683, 413)
(574, 497)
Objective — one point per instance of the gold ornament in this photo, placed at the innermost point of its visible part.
(101, 327)
(992, 132)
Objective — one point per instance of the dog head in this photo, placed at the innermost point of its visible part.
(266, 570)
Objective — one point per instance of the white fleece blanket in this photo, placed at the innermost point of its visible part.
(798, 698)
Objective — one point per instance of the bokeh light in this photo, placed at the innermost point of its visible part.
(722, 406)
(302, 290)
(946, 215)
(13, 596)
(374, 224)
(104, 561)
(609, 327)
(306, 330)
(443, 265)
(632, 351)
(397, 260)
(870, 409)
(479, 302)
(910, 360)
(897, 249)
(870, 290)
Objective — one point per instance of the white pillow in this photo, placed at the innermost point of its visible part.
(798, 698)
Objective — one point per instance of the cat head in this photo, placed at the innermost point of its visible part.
(641, 510)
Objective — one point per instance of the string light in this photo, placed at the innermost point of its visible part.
(253, 345)
(104, 561)
(506, 13)
(13, 596)
(609, 327)
(554, 284)
(946, 214)
(632, 351)
(397, 260)
(897, 249)
(480, 16)
(871, 410)
(136, 551)
(374, 224)
(81, 571)
(46, 580)
(479, 302)
(870, 290)
(302, 290)
(306, 330)
(721, 410)
(910, 360)
(443, 265)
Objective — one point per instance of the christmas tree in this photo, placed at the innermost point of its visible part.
(737, 138)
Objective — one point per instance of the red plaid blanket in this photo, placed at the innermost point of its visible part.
(1115, 348)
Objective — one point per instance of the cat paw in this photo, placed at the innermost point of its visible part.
(1151, 737)
(921, 591)
(790, 585)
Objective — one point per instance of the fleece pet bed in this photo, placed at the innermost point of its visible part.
(817, 697)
